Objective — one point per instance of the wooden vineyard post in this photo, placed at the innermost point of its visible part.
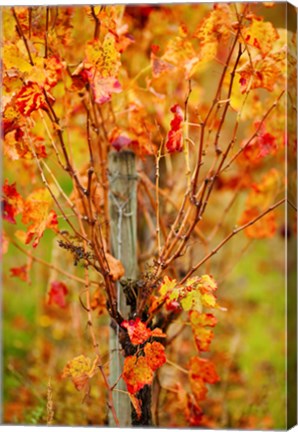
(123, 220)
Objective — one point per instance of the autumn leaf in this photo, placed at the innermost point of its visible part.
(20, 272)
(119, 142)
(98, 302)
(201, 371)
(263, 73)
(36, 212)
(205, 368)
(12, 203)
(30, 98)
(264, 228)
(136, 373)
(193, 412)
(175, 136)
(263, 193)
(155, 355)
(159, 66)
(261, 196)
(100, 68)
(80, 370)
(167, 286)
(17, 146)
(191, 300)
(202, 319)
(215, 28)
(103, 88)
(115, 267)
(263, 145)
(137, 331)
(261, 35)
(207, 284)
(10, 118)
(57, 294)
(203, 336)
(198, 292)
(197, 385)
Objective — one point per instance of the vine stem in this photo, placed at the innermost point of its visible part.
(20, 30)
(177, 366)
(157, 199)
(50, 266)
(91, 330)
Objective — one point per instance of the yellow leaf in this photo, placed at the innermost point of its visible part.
(261, 35)
(167, 286)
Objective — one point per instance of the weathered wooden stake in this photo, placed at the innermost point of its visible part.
(123, 209)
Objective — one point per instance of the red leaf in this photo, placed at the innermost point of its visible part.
(57, 294)
(120, 142)
(193, 412)
(175, 136)
(20, 272)
(12, 203)
(30, 98)
(137, 331)
(155, 355)
(263, 145)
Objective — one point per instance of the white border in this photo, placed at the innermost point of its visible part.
(80, 2)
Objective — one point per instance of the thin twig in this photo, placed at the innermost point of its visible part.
(228, 237)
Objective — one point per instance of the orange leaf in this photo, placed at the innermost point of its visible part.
(202, 319)
(175, 136)
(261, 196)
(16, 146)
(264, 228)
(215, 28)
(202, 336)
(155, 355)
(202, 371)
(98, 302)
(136, 373)
(36, 211)
(264, 73)
(115, 266)
(261, 35)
